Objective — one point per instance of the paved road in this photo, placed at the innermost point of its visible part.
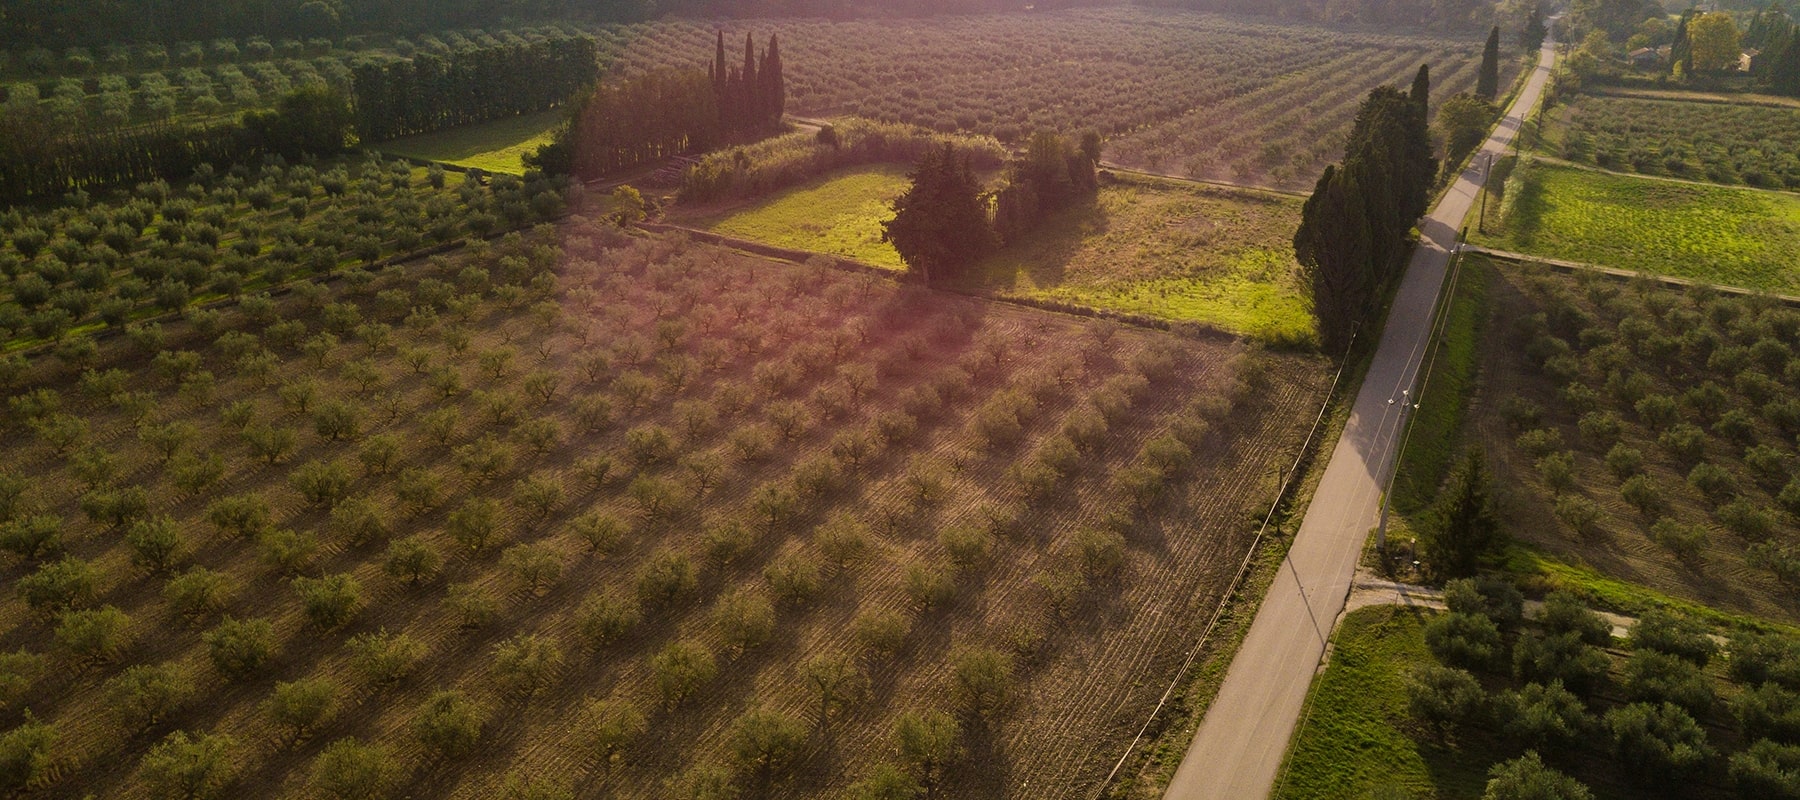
(1238, 750)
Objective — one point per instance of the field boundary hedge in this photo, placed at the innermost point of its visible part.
(1566, 266)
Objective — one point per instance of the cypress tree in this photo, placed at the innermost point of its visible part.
(940, 224)
(1534, 33)
(1463, 526)
(1487, 83)
(1681, 51)
(1335, 248)
(1421, 86)
(1784, 71)
(750, 91)
(774, 88)
(718, 70)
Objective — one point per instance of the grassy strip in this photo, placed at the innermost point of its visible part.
(1541, 572)
(1729, 236)
(497, 146)
(1353, 742)
(1437, 424)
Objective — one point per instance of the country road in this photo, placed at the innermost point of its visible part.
(1239, 747)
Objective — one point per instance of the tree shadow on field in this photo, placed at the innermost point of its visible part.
(1042, 258)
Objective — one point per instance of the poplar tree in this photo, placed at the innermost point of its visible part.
(1487, 83)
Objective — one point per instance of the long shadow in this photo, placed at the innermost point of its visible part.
(1046, 255)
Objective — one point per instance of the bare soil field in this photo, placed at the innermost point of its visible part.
(623, 516)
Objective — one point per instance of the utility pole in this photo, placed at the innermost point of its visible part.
(1486, 168)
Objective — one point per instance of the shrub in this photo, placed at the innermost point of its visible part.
(1445, 698)
(1684, 541)
(449, 724)
(1600, 428)
(1494, 598)
(99, 634)
(1578, 512)
(1685, 442)
(1768, 711)
(1541, 658)
(190, 768)
(1526, 778)
(1746, 519)
(1712, 481)
(58, 585)
(1543, 716)
(1465, 640)
(382, 658)
(1658, 412)
(680, 669)
(1656, 677)
(606, 618)
(880, 631)
(745, 618)
(198, 592)
(145, 694)
(929, 742)
(331, 601)
(1676, 635)
(28, 753)
(525, 664)
(1658, 743)
(793, 577)
(765, 742)
(1767, 770)
(239, 647)
(609, 725)
(302, 705)
(348, 769)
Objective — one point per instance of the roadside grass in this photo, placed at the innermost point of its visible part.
(1541, 572)
(1436, 430)
(1147, 246)
(840, 214)
(1353, 741)
(1733, 237)
(497, 146)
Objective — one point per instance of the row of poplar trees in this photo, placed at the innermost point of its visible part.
(666, 113)
(429, 92)
(1354, 228)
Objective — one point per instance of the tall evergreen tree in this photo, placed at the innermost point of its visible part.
(774, 85)
(1533, 35)
(1681, 50)
(749, 98)
(1487, 82)
(1464, 526)
(1335, 248)
(940, 224)
(718, 67)
(1784, 70)
(1421, 87)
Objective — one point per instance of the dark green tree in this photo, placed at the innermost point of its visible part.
(1784, 69)
(1533, 36)
(313, 120)
(1463, 527)
(940, 224)
(1487, 82)
(1681, 50)
(1334, 246)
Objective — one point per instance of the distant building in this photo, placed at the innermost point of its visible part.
(1643, 58)
(1747, 60)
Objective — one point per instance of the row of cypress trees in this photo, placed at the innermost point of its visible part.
(661, 114)
(1354, 228)
(429, 92)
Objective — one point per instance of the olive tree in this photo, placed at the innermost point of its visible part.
(303, 705)
(449, 724)
(184, 767)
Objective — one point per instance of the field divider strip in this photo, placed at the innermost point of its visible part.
(1669, 281)
(1243, 570)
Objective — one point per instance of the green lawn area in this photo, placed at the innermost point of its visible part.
(1165, 249)
(1352, 744)
(839, 214)
(494, 146)
(1729, 236)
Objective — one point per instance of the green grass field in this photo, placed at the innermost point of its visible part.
(494, 146)
(1352, 744)
(1728, 236)
(839, 214)
(1164, 249)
